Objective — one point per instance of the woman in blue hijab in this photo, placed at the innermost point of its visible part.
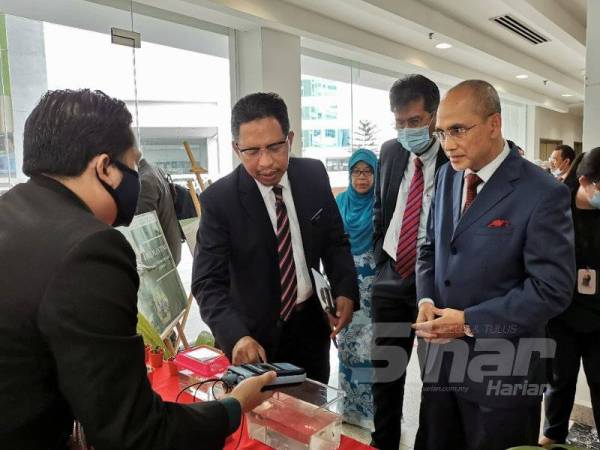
(354, 342)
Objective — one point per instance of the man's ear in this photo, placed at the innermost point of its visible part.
(106, 171)
(291, 139)
(235, 150)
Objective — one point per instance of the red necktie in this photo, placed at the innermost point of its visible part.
(287, 268)
(406, 252)
(473, 181)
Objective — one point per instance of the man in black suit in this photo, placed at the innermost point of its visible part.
(263, 227)
(68, 295)
(403, 191)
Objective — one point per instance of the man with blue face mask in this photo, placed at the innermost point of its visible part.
(403, 190)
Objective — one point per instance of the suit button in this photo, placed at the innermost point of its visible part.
(447, 283)
(453, 250)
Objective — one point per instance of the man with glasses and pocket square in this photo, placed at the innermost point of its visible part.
(263, 227)
(498, 263)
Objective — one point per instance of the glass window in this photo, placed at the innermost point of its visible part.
(327, 115)
(177, 85)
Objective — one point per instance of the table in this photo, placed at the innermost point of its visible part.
(167, 386)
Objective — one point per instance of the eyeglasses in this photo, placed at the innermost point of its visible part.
(454, 132)
(357, 173)
(254, 152)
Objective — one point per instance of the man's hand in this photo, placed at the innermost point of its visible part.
(247, 351)
(248, 392)
(344, 309)
(449, 324)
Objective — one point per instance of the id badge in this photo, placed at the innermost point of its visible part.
(586, 281)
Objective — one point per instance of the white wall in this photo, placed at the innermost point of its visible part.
(558, 126)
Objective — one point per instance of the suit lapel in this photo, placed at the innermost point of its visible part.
(304, 207)
(254, 205)
(395, 175)
(495, 190)
(457, 188)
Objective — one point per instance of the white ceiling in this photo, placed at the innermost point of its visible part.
(394, 35)
(479, 43)
(577, 8)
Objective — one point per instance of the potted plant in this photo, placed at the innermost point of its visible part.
(156, 357)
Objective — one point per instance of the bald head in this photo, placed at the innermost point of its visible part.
(469, 125)
(481, 95)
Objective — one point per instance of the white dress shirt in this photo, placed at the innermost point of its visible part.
(429, 158)
(485, 173)
(302, 276)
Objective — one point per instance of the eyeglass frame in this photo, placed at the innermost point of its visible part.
(269, 148)
(367, 172)
(459, 132)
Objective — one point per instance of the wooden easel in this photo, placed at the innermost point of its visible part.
(198, 171)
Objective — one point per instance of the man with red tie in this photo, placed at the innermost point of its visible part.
(403, 190)
(497, 263)
(263, 227)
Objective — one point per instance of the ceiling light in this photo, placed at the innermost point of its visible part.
(567, 95)
(522, 76)
(443, 45)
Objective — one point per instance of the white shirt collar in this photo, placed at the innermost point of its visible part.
(264, 190)
(429, 155)
(486, 172)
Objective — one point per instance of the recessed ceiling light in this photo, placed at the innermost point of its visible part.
(443, 45)
(567, 95)
(522, 76)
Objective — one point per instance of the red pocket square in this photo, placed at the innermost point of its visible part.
(498, 223)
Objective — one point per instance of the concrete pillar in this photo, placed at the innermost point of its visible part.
(591, 111)
(27, 64)
(269, 61)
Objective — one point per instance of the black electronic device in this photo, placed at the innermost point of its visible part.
(287, 374)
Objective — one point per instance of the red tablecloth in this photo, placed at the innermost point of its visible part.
(167, 386)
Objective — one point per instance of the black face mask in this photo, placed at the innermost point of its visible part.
(125, 195)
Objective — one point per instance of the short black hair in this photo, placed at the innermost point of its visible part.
(566, 151)
(68, 128)
(590, 165)
(414, 87)
(259, 106)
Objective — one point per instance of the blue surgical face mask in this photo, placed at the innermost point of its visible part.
(595, 201)
(125, 195)
(414, 140)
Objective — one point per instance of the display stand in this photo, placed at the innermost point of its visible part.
(197, 170)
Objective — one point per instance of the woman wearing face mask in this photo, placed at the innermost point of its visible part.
(356, 208)
(577, 330)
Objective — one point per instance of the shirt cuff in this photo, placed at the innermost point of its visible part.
(234, 413)
(425, 300)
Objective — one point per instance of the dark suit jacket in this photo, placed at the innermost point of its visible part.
(69, 348)
(236, 276)
(390, 172)
(508, 279)
(155, 195)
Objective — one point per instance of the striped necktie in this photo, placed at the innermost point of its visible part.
(406, 252)
(287, 268)
(473, 181)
